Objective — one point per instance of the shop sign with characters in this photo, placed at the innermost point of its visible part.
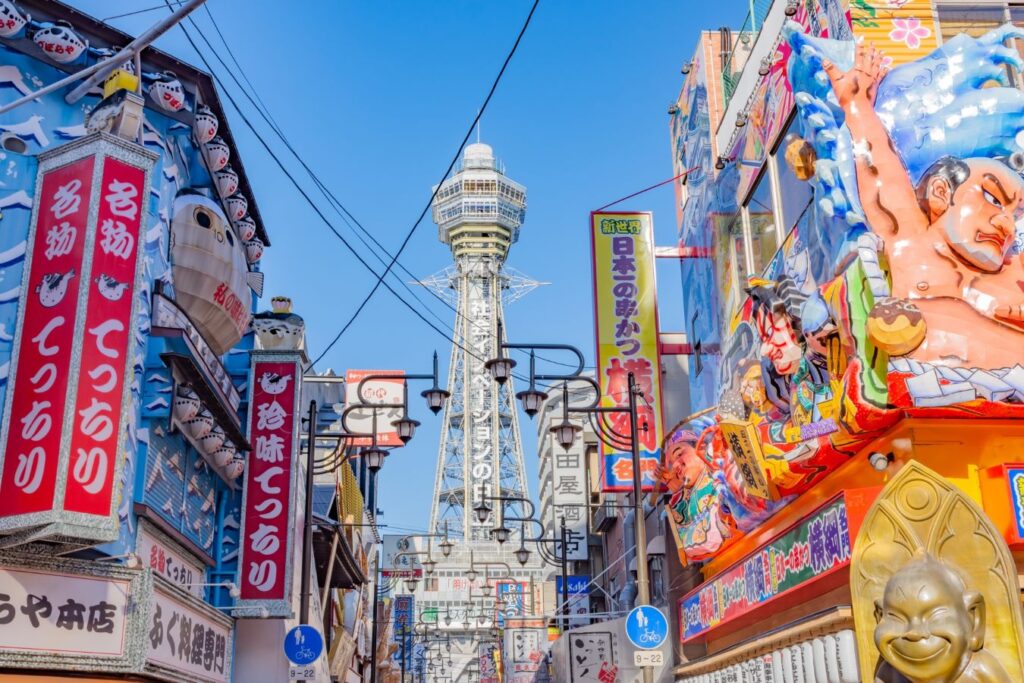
(626, 322)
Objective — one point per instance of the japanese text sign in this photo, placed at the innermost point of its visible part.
(819, 544)
(626, 330)
(55, 613)
(405, 609)
(73, 341)
(488, 654)
(169, 561)
(187, 638)
(268, 508)
(569, 489)
(511, 600)
(379, 392)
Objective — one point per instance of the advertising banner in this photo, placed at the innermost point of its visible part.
(75, 325)
(579, 599)
(377, 391)
(268, 506)
(819, 544)
(512, 598)
(626, 329)
(169, 560)
(405, 611)
(526, 648)
(488, 657)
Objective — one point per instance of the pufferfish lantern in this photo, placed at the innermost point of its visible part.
(245, 227)
(12, 19)
(60, 42)
(226, 180)
(205, 124)
(217, 153)
(168, 92)
(211, 277)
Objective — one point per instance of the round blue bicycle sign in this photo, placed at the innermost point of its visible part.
(646, 627)
(303, 645)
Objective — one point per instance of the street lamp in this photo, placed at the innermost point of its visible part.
(531, 398)
(446, 545)
(374, 457)
(428, 566)
(522, 554)
(410, 585)
(435, 395)
(500, 534)
(482, 510)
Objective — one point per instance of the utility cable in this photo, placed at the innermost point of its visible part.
(338, 206)
(318, 211)
(648, 189)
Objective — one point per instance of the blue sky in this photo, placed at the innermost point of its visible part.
(376, 96)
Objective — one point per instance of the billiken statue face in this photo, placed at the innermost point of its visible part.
(929, 625)
(974, 204)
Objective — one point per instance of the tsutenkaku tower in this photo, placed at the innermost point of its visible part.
(478, 212)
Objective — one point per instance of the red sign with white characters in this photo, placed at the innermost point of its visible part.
(96, 427)
(42, 368)
(267, 514)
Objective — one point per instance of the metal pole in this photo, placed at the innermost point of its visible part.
(565, 577)
(373, 630)
(643, 590)
(307, 524)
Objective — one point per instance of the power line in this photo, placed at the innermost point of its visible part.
(433, 195)
(317, 209)
(337, 205)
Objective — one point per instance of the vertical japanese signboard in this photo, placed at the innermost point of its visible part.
(268, 505)
(569, 489)
(511, 600)
(626, 331)
(488, 654)
(61, 443)
(186, 639)
(405, 609)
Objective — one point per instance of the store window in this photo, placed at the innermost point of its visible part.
(764, 238)
(794, 194)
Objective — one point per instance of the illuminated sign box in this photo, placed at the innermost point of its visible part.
(800, 559)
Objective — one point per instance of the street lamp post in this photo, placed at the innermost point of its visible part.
(566, 432)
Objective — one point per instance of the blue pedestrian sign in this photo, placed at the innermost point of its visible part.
(646, 627)
(303, 645)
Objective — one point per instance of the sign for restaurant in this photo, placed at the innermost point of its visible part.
(400, 559)
(821, 543)
(379, 392)
(167, 559)
(526, 646)
(70, 359)
(626, 328)
(746, 448)
(71, 613)
(187, 638)
(405, 611)
(569, 494)
(268, 505)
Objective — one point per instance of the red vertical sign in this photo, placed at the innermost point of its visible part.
(267, 511)
(42, 367)
(96, 432)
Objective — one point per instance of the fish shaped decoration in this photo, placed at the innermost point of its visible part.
(12, 19)
(168, 92)
(53, 288)
(60, 42)
(205, 125)
(111, 289)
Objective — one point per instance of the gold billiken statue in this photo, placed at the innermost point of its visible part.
(935, 589)
(931, 629)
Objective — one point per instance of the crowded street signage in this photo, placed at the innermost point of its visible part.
(526, 647)
(626, 329)
(64, 425)
(70, 614)
(167, 559)
(405, 611)
(187, 638)
(820, 544)
(268, 505)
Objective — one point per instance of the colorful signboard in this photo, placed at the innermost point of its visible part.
(818, 545)
(525, 651)
(1015, 476)
(488, 654)
(268, 506)
(376, 391)
(399, 558)
(626, 329)
(405, 611)
(69, 362)
(511, 600)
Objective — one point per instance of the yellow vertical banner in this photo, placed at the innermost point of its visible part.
(626, 334)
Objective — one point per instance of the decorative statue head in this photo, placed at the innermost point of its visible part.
(974, 205)
(778, 325)
(929, 625)
(684, 467)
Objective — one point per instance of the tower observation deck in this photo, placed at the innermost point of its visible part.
(478, 211)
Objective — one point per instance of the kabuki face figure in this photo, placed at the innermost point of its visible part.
(779, 342)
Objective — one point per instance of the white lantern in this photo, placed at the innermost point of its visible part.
(12, 19)
(245, 227)
(226, 180)
(60, 42)
(237, 206)
(217, 153)
(253, 250)
(168, 92)
(186, 404)
(205, 125)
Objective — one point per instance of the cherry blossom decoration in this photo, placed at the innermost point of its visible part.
(909, 31)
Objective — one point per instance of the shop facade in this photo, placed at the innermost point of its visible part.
(852, 285)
